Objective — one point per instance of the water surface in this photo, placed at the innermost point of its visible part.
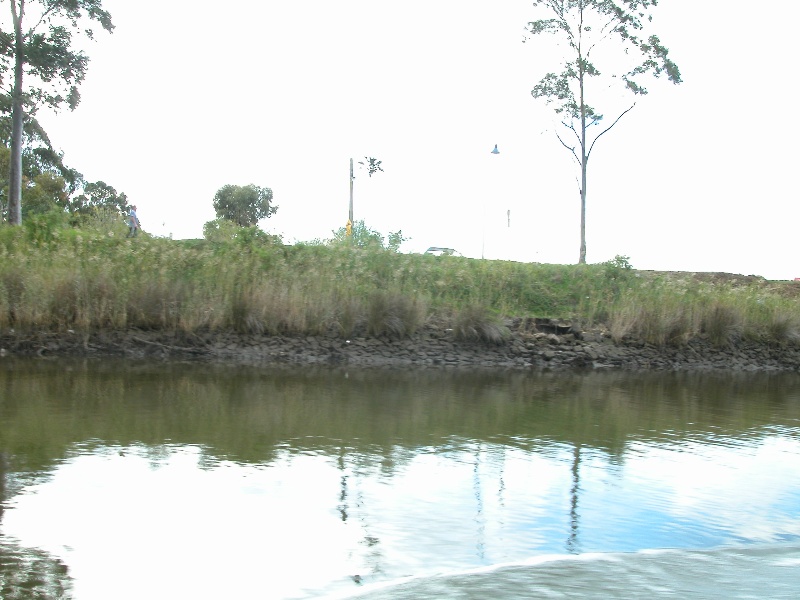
(134, 480)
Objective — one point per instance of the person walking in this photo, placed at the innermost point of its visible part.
(133, 222)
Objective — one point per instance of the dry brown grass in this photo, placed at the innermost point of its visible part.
(476, 322)
(394, 314)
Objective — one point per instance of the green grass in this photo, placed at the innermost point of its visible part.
(57, 278)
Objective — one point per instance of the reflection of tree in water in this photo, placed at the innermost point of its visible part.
(249, 414)
(386, 417)
(28, 573)
(572, 541)
(480, 518)
(373, 554)
(3, 469)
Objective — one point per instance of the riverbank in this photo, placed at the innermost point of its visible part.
(532, 344)
(248, 298)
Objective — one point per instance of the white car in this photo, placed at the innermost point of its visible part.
(437, 251)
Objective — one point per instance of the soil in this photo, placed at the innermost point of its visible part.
(534, 344)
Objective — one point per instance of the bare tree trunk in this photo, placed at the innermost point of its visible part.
(17, 120)
(582, 257)
(584, 154)
(584, 158)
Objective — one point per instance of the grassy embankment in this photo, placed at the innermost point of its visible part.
(54, 278)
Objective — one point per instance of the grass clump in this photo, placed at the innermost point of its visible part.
(394, 314)
(722, 323)
(477, 322)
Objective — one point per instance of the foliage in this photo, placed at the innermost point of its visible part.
(373, 165)
(43, 185)
(96, 197)
(43, 54)
(244, 205)
(395, 239)
(620, 262)
(38, 154)
(223, 230)
(45, 192)
(611, 32)
(362, 236)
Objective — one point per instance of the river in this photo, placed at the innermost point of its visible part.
(184, 480)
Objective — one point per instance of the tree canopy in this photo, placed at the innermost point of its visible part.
(99, 196)
(605, 45)
(244, 205)
(372, 164)
(37, 48)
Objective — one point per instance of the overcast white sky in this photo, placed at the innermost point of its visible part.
(189, 95)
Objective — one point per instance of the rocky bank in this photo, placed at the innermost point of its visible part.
(534, 344)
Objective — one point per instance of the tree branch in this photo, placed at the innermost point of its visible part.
(570, 148)
(605, 33)
(609, 127)
(49, 10)
(571, 127)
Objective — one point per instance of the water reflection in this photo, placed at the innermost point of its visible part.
(27, 573)
(207, 480)
(572, 541)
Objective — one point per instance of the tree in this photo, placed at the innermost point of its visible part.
(43, 53)
(611, 31)
(44, 193)
(244, 205)
(38, 154)
(99, 196)
(43, 167)
(44, 188)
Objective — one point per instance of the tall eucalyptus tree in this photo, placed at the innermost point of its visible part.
(590, 32)
(36, 46)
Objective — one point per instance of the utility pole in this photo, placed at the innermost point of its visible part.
(350, 214)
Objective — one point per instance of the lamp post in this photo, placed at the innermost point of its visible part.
(483, 234)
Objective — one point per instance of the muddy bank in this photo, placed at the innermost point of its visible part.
(534, 344)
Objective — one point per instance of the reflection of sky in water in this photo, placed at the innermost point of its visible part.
(750, 491)
(205, 528)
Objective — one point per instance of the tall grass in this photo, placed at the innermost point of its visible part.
(56, 278)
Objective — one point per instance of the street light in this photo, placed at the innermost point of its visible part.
(483, 234)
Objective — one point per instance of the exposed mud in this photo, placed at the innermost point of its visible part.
(534, 344)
